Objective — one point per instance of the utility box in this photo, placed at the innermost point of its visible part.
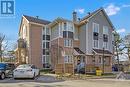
(98, 72)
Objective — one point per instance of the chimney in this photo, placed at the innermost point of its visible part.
(89, 13)
(37, 17)
(74, 16)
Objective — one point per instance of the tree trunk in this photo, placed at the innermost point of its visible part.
(118, 62)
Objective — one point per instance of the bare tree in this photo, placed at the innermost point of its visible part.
(3, 45)
(118, 46)
(126, 42)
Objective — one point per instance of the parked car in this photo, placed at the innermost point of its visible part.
(26, 71)
(6, 69)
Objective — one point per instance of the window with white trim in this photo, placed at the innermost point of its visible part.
(46, 61)
(65, 26)
(95, 27)
(95, 35)
(70, 27)
(68, 31)
(105, 30)
(68, 59)
(68, 42)
(47, 31)
(105, 37)
(105, 45)
(95, 43)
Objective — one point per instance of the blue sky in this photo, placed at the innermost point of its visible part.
(118, 11)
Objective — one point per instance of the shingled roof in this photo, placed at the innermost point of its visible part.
(101, 51)
(36, 20)
(78, 50)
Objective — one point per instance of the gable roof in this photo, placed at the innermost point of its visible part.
(58, 19)
(90, 15)
(36, 20)
(96, 12)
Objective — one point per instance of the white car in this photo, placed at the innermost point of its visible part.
(26, 71)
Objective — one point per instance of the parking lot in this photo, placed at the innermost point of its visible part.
(50, 81)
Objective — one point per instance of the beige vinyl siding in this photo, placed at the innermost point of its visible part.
(82, 38)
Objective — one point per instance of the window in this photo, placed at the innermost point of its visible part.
(44, 44)
(43, 30)
(70, 26)
(105, 45)
(68, 43)
(95, 27)
(47, 52)
(100, 60)
(95, 43)
(68, 59)
(46, 62)
(68, 34)
(65, 59)
(47, 31)
(105, 30)
(47, 44)
(95, 35)
(105, 33)
(47, 37)
(105, 36)
(65, 42)
(68, 30)
(65, 34)
(44, 50)
(44, 36)
(65, 27)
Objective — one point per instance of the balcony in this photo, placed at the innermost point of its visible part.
(21, 43)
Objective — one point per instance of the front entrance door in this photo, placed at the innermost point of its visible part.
(80, 67)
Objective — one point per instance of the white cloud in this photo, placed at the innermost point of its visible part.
(111, 9)
(125, 6)
(80, 10)
(122, 30)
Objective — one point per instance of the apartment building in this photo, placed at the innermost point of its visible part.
(67, 46)
(30, 42)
